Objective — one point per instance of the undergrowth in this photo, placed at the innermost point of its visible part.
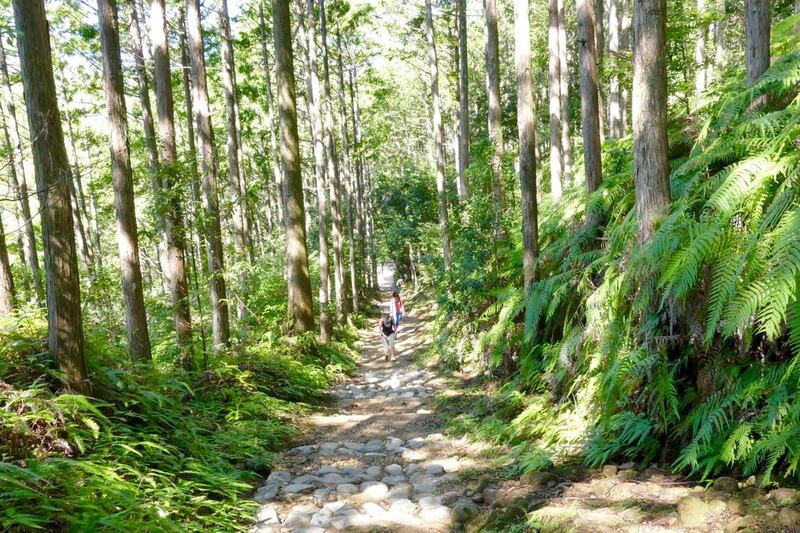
(684, 350)
(155, 448)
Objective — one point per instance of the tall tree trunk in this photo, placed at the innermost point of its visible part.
(526, 125)
(340, 277)
(274, 156)
(321, 170)
(438, 135)
(625, 45)
(554, 70)
(566, 141)
(614, 96)
(65, 329)
(122, 176)
(373, 256)
(599, 39)
(144, 95)
(197, 218)
(463, 101)
(19, 183)
(590, 105)
(220, 322)
(700, 54)
(757, 32)
(80, 213)
(8, 295)
(299, 281)
(349, 178)
(649, 111)
(240, 220)
(495, 119)
(171, 204)
(359, 177)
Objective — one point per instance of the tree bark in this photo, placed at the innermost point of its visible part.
(321, 169)
(80, 212)
(757, 32)
(438, 136)
(299, 281)
(649, 112)
(122, 177)
(526, 125)
(340, 276)
(349, 179)
(495, 117)
(554, 70)
(590, 105)
(359, 178)
(8, 294)
(171, 204)
(220, 322)
(240, 220)
(19, 183)
(65, 329)
(463, 101)
(566, 141)
(274, 156)
(700, 54)
(144, 95)
(614, 96)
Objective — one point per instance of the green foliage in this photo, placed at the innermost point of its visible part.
(155, 448)
(685, 348)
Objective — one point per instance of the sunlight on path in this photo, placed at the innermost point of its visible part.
(377, 464)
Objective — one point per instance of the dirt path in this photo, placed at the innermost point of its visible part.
(379, 462)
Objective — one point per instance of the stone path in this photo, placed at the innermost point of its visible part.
(379, 463)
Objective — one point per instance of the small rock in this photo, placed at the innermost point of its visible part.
(320, 496)
(374, 471)
(374, 490)
(463, 510)
(373, 509)
(538, 480)
(403, 506)
(630, 465)
(335, 478)
(737, 524)
(355, 446)
(267, 516)
(783, 497)
(439, 513)
(610, 470)
(435, 437)
(329, 448)
(307, 479)
(279, 476)
(490, 496)
(336, 507)
(394, 470)
(789, 518)
(348, 452)
(297, 519)
(347, 488)
(393, 480)
(692, 511)
(726, 484)
(322, 518)
(401, 491)
(435, 470)
(298, 488)
(450, 497)
(412, 468)
(267, 492)
(392, 443)
(302, 450)
(430, 501)
(310, 529)
(415, 443)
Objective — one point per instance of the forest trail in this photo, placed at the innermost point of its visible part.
(378, 461)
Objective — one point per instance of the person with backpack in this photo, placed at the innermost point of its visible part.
(388, 330)
(396, 308)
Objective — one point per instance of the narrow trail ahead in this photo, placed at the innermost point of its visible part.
(379, 462)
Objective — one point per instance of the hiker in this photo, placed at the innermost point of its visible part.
(388, 330)
(398, 284)
(397, 309)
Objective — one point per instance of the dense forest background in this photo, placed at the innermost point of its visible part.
(196, 201)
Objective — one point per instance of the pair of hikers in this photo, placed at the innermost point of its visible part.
(389, 324)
